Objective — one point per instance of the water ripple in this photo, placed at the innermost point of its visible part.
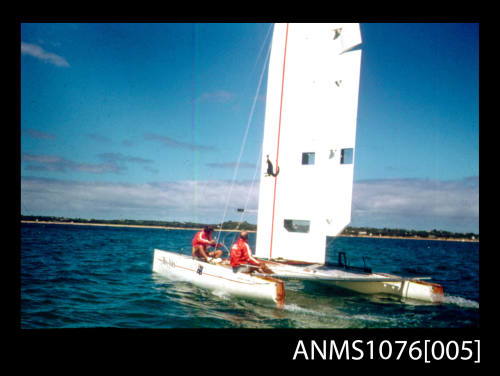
(101, 277)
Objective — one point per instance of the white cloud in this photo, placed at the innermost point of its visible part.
(415, 204)
(202, 201)
(39, 53)
(231, 165)
(33, 133)
(218, 96)
(112, 163)
(172, 143)
(44, 162)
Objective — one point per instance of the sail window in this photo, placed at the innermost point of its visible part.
(297, 225)
(308, 158)
(346, 156)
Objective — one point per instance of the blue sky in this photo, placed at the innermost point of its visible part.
(146, 121)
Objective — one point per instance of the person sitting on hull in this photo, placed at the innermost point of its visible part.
(241, 257)
(201, 242)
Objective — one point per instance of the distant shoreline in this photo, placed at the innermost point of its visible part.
(460, 240)
(118, 225)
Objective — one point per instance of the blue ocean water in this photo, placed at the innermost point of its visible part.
(90, 276)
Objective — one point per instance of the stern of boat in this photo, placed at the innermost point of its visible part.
(422, 290)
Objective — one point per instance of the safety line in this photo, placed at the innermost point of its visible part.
(235, 173)
(278, 147)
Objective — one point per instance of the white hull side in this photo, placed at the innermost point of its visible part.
(416, 290)
(217, 277)
(366, 283)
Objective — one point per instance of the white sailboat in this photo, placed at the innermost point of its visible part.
(218, 277)
(309, 151)
(306, 193)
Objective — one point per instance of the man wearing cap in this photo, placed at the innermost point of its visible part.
(241, 255)
(201, 241)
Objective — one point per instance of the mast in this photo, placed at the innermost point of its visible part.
(309, 137)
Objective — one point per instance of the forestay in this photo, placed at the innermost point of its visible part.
(309, 134)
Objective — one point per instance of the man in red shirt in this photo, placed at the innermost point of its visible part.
(241, 255)
(201, 241)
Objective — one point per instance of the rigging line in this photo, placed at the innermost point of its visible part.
(245, 137)
(257, 165)
(257, 169)
(260, 51)
(278, 146)
(258, 58)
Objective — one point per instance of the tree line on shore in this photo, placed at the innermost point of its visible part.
(228, 225)
(433, 234)
(232, 225)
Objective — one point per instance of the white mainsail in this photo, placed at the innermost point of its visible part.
(309, 134)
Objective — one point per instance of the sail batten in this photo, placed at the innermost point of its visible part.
(309, 133)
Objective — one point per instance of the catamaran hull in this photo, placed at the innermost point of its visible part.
(424, 291)
(218, 277)
(365, 283)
